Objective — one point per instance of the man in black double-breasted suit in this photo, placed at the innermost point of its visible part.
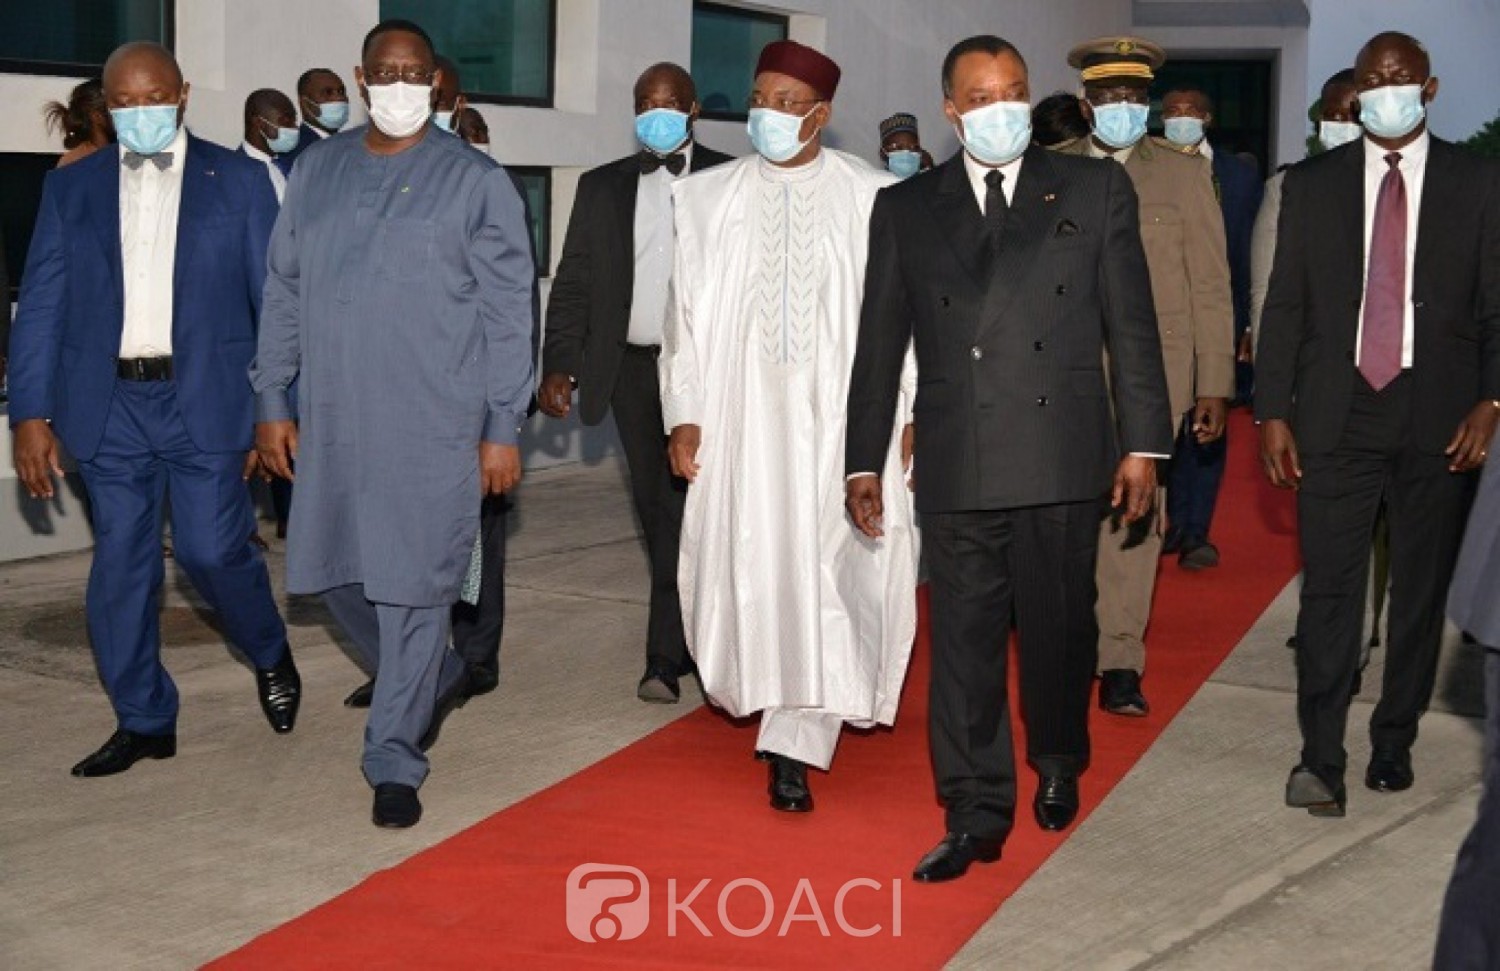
(1378, 379)
(1011, 268)
(604, 324)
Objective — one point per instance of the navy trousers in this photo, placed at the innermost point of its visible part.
(146, 454)
(1193, 486)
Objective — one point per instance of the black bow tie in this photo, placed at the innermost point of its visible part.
(674, 163)
(134, 160)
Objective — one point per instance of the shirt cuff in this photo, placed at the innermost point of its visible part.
(273, 404)
(678, 409)
(501, 428)
(1150, 455)
(857, 475)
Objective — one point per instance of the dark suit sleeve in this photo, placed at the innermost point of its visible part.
(1142, 408)
(885, 327)
(4, 304)
(1488, 311)
(38, 328)
(568, 306)
(1283, 319)
(260, 219)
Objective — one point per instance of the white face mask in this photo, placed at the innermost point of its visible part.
(1332, 134)
(400, 109)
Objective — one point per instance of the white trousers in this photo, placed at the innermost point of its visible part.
(806, 734)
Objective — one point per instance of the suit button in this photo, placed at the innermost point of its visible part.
(977, 353)
(1039, 346)
(1061, 289)
(1042, 401)
(944, 301)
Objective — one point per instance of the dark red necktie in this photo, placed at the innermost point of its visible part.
(1385, 286)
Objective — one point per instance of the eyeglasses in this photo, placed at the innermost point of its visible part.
(387, 75)
(782, 104)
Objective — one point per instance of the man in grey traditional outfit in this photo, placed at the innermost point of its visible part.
(399, 288)
(787, 610)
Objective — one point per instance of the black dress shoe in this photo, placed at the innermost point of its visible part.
(658, 686)
(482, 680)
(1120, 693)
(1389, 771)
(448, 702)
(789, 792)
(1056, 802)
(951, 858)
(1198, 555)
(396, 806)
(1305, 789)
(280, 689)
(360, 697)
(123, 750)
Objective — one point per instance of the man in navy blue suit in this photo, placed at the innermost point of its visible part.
(1198, 468)
(137, 323)
(324, 103)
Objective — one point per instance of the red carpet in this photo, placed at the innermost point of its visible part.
(687, 806)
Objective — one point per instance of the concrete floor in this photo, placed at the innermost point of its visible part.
(1191, 862)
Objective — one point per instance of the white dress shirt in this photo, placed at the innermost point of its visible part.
(653, 251)
(1413, 166)
(977, 172)
(278, 180)
(149, 200)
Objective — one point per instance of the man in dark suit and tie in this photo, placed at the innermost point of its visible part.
(1011, 268)
(324, 103)
(1378, 379)
(1198, 467)
(604, 329)
(137, 323)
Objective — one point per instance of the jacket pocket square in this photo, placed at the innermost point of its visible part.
(1066, 228)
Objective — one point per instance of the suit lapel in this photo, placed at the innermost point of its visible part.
(104, 207)
(1347, 196)
(1439, 195)
(1027, 225)
(958, 216)
(194, 205)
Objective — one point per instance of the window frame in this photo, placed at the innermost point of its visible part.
(783, 21)
(545, 100)
(77, 69)
(543, 219)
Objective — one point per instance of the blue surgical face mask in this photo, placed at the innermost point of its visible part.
(997, 133)
(146, 130)
(903, 163)
(1332, 134)
(775, 133)
(333, 115)
(444, 120)
(284, 140)
(662, 130)
(1185, 131)
(1120, 124)
(1393, 111)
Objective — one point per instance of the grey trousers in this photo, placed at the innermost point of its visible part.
(1469, 932)
(408, 648)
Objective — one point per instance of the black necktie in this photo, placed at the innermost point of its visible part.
(995, 206)
(674, 163)
(134, 160)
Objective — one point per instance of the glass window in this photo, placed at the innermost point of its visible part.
(73, 37)
(537, 182)
(1241, 91)
(504, 48)
(726, 44)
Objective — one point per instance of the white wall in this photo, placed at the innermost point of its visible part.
(1459, 34)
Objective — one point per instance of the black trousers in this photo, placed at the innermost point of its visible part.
(477, 628)
(659, 497)
(1340, 497)
(1036, 566)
